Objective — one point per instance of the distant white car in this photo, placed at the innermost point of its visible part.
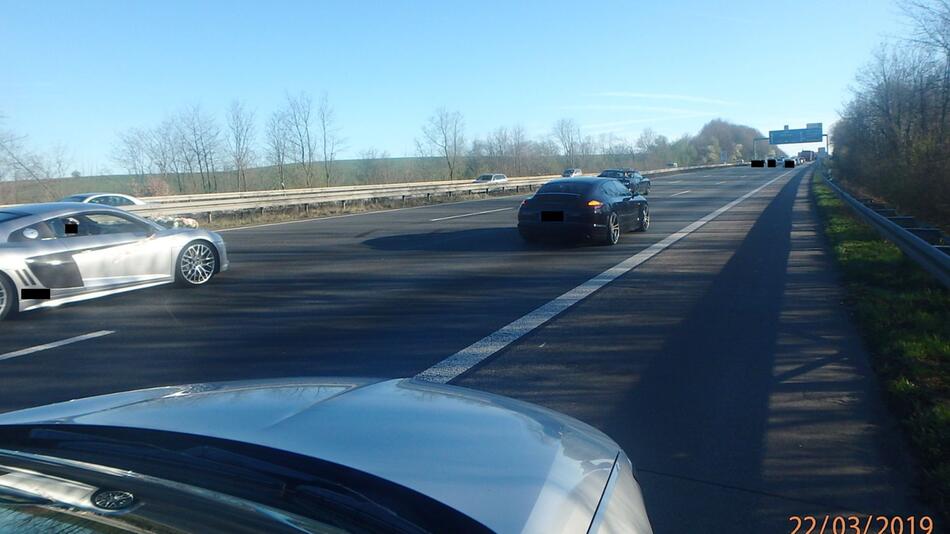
(109, 199)
(491, 179)
(570, 173)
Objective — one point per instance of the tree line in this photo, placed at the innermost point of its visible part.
(191, 150)
(298, 145)
(893, 139)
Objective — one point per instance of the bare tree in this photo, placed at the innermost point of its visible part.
(568, 135)
(203, 139)
(278, 141)
(300, 121)
(16, 163)
(131, 151)
(444, 134)
(240, 138)
(329, 135)
(162, 149)
(372, 165)
(520, 146)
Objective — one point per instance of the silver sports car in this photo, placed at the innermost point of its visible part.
(52, 254)
(327, 455)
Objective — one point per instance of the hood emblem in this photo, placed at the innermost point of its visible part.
(113, 499)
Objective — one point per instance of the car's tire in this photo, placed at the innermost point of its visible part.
(9, 300)
(643, 223)
(196, 264)
(613, 230)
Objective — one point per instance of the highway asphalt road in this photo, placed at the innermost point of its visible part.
(717, 352)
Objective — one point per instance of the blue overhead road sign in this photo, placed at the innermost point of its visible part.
(812, 134)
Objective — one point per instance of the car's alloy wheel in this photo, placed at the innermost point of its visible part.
(644, 219)
(613, 229)
(197, 263)
(8, 298)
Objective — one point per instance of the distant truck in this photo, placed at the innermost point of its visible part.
(807, 155)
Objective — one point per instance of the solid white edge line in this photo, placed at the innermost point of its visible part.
(469, 214)
(54, 344)
(463, 360)
(680, 193)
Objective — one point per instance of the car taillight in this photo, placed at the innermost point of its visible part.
(595, 203)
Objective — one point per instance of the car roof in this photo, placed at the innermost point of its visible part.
(582, 180)
(52, 209)
(91, 195)
(33, 213)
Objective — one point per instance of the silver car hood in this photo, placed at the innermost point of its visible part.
(513, 466)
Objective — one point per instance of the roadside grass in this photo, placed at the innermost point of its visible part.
(904, 317)
(221, 221)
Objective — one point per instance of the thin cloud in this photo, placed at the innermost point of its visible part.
(617, 126)
(628, 107)
(664, 96)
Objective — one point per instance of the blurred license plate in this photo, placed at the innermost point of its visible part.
(552, 216)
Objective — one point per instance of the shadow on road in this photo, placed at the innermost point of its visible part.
(701, 409)
(471, 240)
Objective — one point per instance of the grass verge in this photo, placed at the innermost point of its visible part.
(256, 216)
(904, 317)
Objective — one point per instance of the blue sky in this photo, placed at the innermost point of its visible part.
(76, 73)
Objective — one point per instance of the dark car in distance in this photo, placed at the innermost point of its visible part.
(635, 182)
(586, 208)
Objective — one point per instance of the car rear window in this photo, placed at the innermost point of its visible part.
(574, 188)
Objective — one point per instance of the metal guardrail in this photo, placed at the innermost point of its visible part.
(240, 201)
(935, 259)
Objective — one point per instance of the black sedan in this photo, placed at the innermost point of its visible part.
(585, 207)
(636, 182)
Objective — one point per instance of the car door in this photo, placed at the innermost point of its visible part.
(643, 185)
(113, 250)
(634, 183)
(620, 199)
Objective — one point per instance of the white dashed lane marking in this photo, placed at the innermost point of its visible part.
(54, 344)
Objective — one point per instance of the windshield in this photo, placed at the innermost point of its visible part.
(751, 301)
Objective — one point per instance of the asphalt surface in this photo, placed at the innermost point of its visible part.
(725, 365)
